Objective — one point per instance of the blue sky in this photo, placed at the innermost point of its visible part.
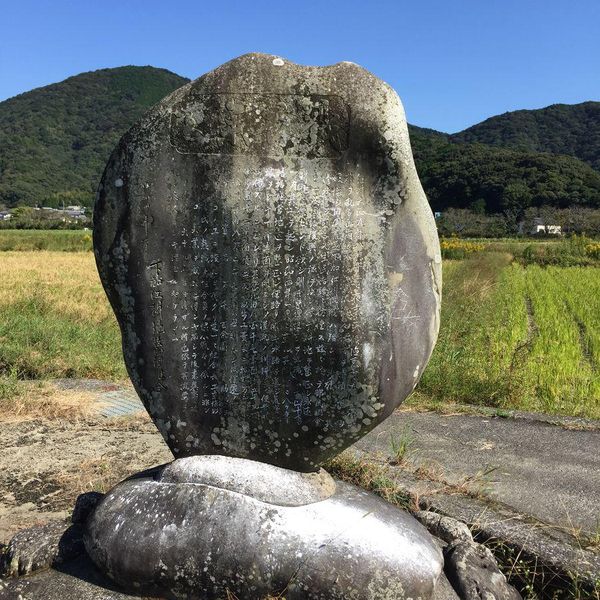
(454, 62)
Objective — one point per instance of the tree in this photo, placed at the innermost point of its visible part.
(516, 197)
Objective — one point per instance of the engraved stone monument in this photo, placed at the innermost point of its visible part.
(274, 266)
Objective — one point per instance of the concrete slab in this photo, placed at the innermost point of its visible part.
(541, 466)
(546, 471)
(113, 399)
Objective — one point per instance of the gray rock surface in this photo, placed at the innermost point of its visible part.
(84, 506)
(444, 590)
(41, 547)
(446, 528)
(261, 481)
(204, 541)
(272, 260)
(474, 574)
(76, 580)
(80, 580)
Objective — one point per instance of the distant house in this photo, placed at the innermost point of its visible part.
(5, 215)
(540, 228)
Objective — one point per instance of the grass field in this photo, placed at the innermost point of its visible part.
(512, 336)
(518, 337)
(76, 240)
(55, 320)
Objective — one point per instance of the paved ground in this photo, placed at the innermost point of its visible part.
(547, 471)
(114, 400)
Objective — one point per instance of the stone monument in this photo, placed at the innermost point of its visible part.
(274, 266)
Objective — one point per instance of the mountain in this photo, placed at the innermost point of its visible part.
(426, 133)
(55, 140)
(546, 157)
(571, 129)
(494, 180)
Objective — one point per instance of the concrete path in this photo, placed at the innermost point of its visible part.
(113, 400)
(547, 471)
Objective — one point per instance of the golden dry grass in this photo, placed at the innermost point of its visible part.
(55, 320)
(67, 281)
(45, 401)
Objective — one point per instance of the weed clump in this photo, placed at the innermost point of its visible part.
(574, 251)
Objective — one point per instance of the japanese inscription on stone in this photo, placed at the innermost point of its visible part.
(271, 259)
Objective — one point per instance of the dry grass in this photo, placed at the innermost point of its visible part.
(474, 486)
(139, 421)
(44, 401)
(370, 476)
(93, 475)
(67, 281)
(55, 320)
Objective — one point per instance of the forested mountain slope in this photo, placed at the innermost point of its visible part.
(55, 140)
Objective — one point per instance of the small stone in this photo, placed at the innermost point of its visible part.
(447, 529)
(474, 574)
(41, 547)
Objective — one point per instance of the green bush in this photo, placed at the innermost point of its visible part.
(570, 252)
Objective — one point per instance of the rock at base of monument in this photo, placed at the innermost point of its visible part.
(444, 590)
(445, 528)
(160, 534)
(78, 579)
(474, 574)
(41, 547)
(81, 580)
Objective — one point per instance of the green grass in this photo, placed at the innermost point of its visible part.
(31, 239)
(512, 336)
(518, 337)
(572, 251)
(55, 320)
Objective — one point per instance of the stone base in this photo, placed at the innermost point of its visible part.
(211, 527)
(78, 579)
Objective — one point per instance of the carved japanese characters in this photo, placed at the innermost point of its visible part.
(272, 260)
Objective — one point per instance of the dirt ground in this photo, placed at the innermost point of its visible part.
(46, 463)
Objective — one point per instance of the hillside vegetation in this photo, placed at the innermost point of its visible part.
(55, 140)
(494, 180)
(560, 129)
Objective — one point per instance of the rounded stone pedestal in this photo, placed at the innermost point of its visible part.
(209, 526)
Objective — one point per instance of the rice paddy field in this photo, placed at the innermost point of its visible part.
(520, 337)
(515, 334)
